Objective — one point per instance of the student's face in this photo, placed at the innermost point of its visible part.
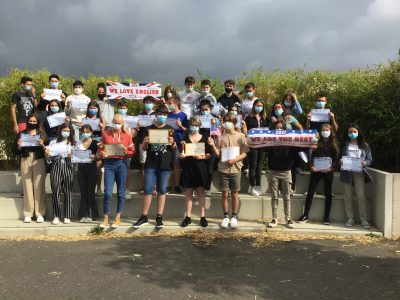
(53, 104)
(189, 85)
(101, 90)
(206, 88)
(249, 89)
(205, 109)
(279, 127)
(352, 130)
(32, 121)
(277, 106)
(27, 84)
(322, 99)
(229, 86)
(86, 131)
(66, 129)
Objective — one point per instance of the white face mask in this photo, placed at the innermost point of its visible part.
(169, 95)
(78, 91)
(228, 125)
(326, 133)
(117, 126)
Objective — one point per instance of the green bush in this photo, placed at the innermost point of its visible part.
(368, 96)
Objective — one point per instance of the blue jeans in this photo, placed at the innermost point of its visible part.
(115, 170)
(158, 177)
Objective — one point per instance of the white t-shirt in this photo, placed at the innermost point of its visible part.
(188, 101)
(247, 106)
(354, 151)
(76, 114)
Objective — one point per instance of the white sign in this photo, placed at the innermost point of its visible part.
(81, 156)
(131, 121)
(320, 115)
(352, 164)
(80, 103)
(146, 120)
(51, 94)
(133, 90)
(56, 119)
(322, 163)
(94, 123)
(228, 153)
(205, 121)
(58, 149)
(28, 140)
(172, 122)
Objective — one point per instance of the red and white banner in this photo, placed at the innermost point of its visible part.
(263, 137)
(133, 90)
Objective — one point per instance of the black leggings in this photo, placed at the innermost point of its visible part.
(315, 178)
(256, 158)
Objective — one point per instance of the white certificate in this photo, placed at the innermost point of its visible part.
(114, 150)
(158, 136)
(172, 122)
(239, 121)
(352, 164)
(28, 140)
(205, 121)
(81, 156)
(192, 149)
(80, 103)
(131, 121)
(52, 94)
(56, 119)
(146, 120)
(228, 153)
(217, 109)
(94, 123)
(322, 163)
(320, 115)
(58, 149)
(247, 106)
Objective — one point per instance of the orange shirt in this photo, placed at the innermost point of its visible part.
(119, 137)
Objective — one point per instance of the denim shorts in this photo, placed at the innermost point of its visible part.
(156, 177)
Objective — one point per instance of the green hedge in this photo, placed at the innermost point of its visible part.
(368, 96)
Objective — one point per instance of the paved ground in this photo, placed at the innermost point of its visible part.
(181, 268)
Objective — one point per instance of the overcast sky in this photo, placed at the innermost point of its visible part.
(165, 40)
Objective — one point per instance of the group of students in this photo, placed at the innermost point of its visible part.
(167, 162)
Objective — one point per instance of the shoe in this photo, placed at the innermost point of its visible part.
(83, 220)
(289, 224)
(303, 219)
(326, 221)
(178, 190)
(127, 195)
(169, 189)
(27, 219)
(225, 223)
(141, 222)
(186, 221)
(55, 221)
(99, 192)
(262, 172)
(246, 171)
(116, 223)
(258, 189)
(273, 223)
(249, 190)
(159, 222)
(67, 221)
(203, 222)
(89, 220)
(208, 193)
(39, 219)
(234, 223)
(254, 192)
(349, 223)
(365, 224)
(105, 222)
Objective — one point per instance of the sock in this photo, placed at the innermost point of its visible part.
(226, 215)
(234, 215)
(159, 216)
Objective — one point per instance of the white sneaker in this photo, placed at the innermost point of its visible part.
(127, 195)
(67, 221)
(254, 192)
(208, 193)
(225, 223)
(89, 220)
(39, 219)
(250, 190)
(234, 223)
(273, 223)
(55, 221)
(289, 224)
(349, 223)
(83, 220)
(365, 224)
(258, 188)
(27, 219)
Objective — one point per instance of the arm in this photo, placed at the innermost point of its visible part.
(335, 126)
(297, 108)
(14, 117)
(368, 157)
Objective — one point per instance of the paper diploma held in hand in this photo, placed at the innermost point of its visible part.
(58, 149)
(158, 136)
(205, 121)
(56, 119)
(192, 149)
(80, 103)
(146, 120)
(322, 163)
(28, 140)
(352, 164)
(320, 115)
(52, 94)
(81, 156)
(228, 153)
(131, 121)
(94, 123)
(114, 150)
(172, 122)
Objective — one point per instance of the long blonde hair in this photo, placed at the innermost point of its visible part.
(120, 117)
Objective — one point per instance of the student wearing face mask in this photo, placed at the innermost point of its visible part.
(250, 97)
(76, 113)
(174, 106)
(228, 98)
(93, 113)
(61, 175)
(292, 105)
(23, 103)
(43, 105)
(107, 106)
(354, 146)
(115, 167)
(327, 148)
(87, 176)
(54, 107)
(194, 172)
(321, 103)
(169, 92)
(188, 96)
(33, 171)
(157, 168)
(205, 95)
(230, 169)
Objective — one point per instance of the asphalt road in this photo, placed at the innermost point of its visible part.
(178, 268)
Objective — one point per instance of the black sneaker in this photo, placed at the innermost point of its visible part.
(159, 222)
(326, 221)
(178, 190)
(142, 221)
(203, 222)
(186, 221)
(303, 219)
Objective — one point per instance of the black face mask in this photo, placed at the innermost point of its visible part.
(101, 96)
(32, 126)
(228, 90)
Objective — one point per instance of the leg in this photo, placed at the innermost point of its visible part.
(162, 182)
(120, 173)
(359, 184)
(234, 187)
(348, 200)
(109, 178)
(83, 186)
(39, 177)
(150, 179)
(315, 178)
(253, 159)
(55, 182)
(328, 179)
(235, 202)
(259, 165)
(99, 164)
(68, 181)
(274, 187)
(91, 190)
(201, 195)
(285, 185)
(189, 201)
(27, 185)
(224, 185)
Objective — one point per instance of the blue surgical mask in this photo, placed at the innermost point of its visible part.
(204, 92)
(53, 84)
(228, 125)
(258, 109)
(250, 94)
(234, 112)
(287, 103)
(194, 129)
(161, 119)
(92, 111)
(54, 109)
(189, 89)
(122, 111)
(171, 107)
(353, 135)
(86, 135)
(65, 134)
(320, 104)
(278, 112)
(27, 88)
(148, 106)
(205, 112)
